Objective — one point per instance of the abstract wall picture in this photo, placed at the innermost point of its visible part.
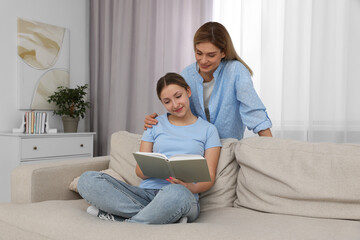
(47, 85)
(43, 62)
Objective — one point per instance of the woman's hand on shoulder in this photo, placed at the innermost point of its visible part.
(150, 120)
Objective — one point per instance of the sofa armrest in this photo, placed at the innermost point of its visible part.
(50, 181)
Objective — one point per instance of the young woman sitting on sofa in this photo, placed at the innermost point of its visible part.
(159, 201)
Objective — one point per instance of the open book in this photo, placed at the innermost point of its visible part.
(187, 168)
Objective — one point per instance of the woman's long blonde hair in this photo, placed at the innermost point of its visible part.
(217, 34)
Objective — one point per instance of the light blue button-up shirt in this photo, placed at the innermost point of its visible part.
(234, 102)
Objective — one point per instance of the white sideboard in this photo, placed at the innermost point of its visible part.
(16, 149)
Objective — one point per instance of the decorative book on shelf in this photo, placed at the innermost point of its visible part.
(35, 123)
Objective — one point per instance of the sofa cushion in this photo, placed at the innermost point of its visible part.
(299, 178)
(68, 219)
(222, 193)
(122, 161)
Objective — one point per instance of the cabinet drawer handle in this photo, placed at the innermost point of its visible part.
(35, 148)
(81, 145)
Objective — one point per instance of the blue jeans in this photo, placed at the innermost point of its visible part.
(134, 204)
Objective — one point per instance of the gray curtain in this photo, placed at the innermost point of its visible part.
(132, 44)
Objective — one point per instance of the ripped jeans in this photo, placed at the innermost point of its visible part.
(134, 204)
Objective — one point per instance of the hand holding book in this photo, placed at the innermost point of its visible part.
(177, 181)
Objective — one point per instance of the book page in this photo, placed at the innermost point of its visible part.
(180, 157)
(160, 155)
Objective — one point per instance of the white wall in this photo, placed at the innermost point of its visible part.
(71, 14)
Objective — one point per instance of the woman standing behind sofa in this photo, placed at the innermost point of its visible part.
(222, 89)
(159, 201)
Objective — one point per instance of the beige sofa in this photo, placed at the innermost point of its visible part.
(283, 190)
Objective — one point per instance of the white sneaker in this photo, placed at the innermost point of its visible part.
(107, 217)
(183, 220)
(92, 210)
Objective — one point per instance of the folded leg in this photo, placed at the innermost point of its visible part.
(170, 204)
(114, 196)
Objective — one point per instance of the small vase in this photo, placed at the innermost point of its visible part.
(70, 124)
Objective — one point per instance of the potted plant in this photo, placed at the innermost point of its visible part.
(71, 105)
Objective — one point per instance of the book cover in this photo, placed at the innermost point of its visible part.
(38, 130)
(43, 120)
(26, 122)
(32, 122)
(35, 122)
(187, 168)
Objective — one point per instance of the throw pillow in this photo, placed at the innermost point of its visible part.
(222, 193)
(73, 184)
(122, 161)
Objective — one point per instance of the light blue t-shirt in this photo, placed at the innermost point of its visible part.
(169, 140)
(233, 103)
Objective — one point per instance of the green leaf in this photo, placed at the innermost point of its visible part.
(70, 102)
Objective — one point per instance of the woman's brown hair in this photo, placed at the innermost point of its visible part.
(170, 78)
(217, 34)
